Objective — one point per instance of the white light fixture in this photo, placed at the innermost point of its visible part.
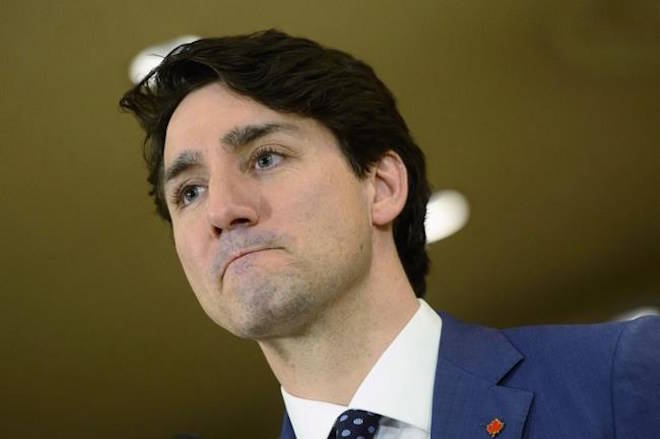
(446, 213)
(638, 312)
(150, 57)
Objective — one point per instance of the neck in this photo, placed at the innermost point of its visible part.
(330, 359)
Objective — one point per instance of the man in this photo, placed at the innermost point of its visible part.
(297, 198)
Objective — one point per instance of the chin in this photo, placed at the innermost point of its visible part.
(267, 312)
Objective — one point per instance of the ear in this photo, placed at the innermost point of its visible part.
(390, 180)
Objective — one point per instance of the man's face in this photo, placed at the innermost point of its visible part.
(270, 224)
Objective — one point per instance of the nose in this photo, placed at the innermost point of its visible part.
(232, 202)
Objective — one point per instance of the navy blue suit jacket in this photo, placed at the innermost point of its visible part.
(546, 382)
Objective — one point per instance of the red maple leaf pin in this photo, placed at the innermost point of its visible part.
(494, 427)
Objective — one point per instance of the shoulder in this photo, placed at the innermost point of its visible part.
(639, 338)
(636, 379)
(596, 351)
(604, 371)
(599, 380)
(548, 342)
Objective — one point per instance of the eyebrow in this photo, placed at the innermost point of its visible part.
(237, 137)
(185, 161)
(242, 135)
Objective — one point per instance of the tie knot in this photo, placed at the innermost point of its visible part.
(355, 424)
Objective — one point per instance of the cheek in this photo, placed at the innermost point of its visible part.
(331, 209)
(189, 255)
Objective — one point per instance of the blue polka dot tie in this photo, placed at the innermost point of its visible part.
(355, 424)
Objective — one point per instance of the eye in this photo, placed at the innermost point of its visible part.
(266, 159)
(189, 194)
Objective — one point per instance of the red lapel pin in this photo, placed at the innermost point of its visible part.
(494, 427)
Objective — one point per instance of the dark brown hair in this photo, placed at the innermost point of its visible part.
(293, 75)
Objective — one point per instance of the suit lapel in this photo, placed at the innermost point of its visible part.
(287, 428)
(467, 396)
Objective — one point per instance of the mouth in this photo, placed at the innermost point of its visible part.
(240, 254)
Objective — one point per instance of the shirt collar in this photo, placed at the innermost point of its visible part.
(396, 387)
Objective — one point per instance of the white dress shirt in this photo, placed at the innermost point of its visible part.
(399, 387)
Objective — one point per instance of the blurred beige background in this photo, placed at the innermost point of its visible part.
(545, 114)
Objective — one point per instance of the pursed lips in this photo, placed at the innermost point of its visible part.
(240, 254)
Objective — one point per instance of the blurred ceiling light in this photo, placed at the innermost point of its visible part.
(150, 57)
(638, 312)
(446, 213)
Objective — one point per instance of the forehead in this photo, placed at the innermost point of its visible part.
(216, 98)
(204, 117)
(210, 110)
